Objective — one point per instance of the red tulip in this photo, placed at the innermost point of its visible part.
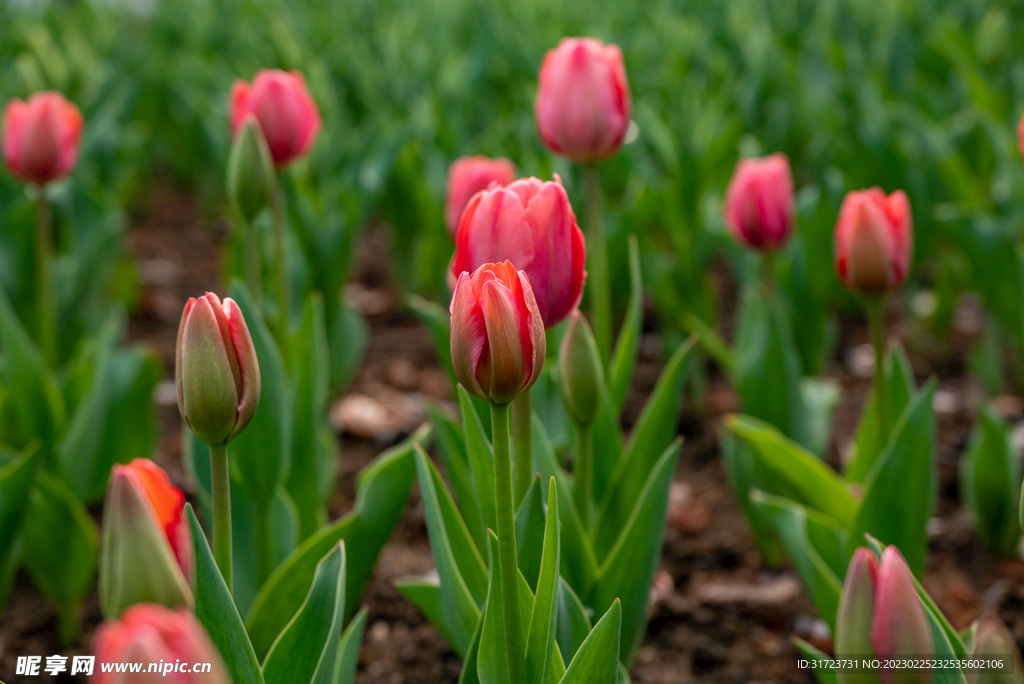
(760, 211)
(468, 176)
(40, 137)
(899, 626)
(583, 103)
(172, 639)
(498, 342)
(287, 114)
(217, 375)
(531, 224)
(874, 241)
(168, 504)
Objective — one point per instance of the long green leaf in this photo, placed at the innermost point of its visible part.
(990, 484)
(530, 532)
(540, 641)
(451, 447)
(597, 661)
(573, 623)
(348, 650)
(870, 442)
(627, 346)
(481, 459)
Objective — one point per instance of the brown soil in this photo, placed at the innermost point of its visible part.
(717, 614)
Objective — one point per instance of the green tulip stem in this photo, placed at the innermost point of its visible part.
(68, 625)
(881, 390)
(221, 477)
(583, 489)
(251, 259)
(522, 422)
(768, 273)
(597, 265)
(508, 564)
(44, 282)
(281, 264)
(264, 550)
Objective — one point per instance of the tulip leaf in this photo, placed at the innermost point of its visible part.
(530, 532)
(627, 347)
(597, 660)
(306, 650)
(283, 520)
(16, 479)
(815, 546)
(470, 674)
(573, 623)
(262, 451)
(546, 396)
(824, 675)
(579, 564)
(899, 493)
(492, 665)
(607, 443)
(216, 611)
(819, 397)
(738, 463)
(347, 337)
(382, 491)
(451, 447)
(870, 442)
(784, 468)
(652, 433)
(348, 650)
(425, 594)
(437, 320)
(544, 460)
(481, 459)
(540, 641)
(629, 568)
(990, 484)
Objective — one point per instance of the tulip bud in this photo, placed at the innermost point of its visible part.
(250, 170)
(874, 241)
(856, 606)
(147, 545)
(40, 137)
(993, 640)
(281, 102)
(581, 377)
(149, 633)
(583, 105)
(468, 176)
(530, 223)
(498, 342)
(899, 626)
(760, 211)
(216, 374)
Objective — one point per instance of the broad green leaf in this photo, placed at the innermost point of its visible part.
(579, 564)
(819, 398)
(16, 479)
(824, 675)
(870, 442)
(628, 570)
(627, 346)
(738, 463)
(607, 443)
(990, 484)
(382, 491)
(784, 468)
(307, 648)
(348, 650)
(530, 533)
(573, 623)
(470, 673)
(284, 536)
(654, 430)
(451, 447)
(597, 661)
(540, 640)
(899, 493)
(425, 594)
(492, 666)
(481, 459)
(544, 460)
(437, 320)
(216, 611)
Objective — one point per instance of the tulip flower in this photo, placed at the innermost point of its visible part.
(993, 641)
(583, 105)
(759, 210)
(147, 545)
(282, 104)
(856, 607)
(874, 241)
(530, 223)
(149, 633)
(217, 377)
(468, 176)
(40, 137)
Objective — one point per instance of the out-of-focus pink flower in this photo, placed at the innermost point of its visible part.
(40, 137)
(282, 104)
(874, 241)
(1020, 135)
(530, 223)
(468, 176)
(583, 105)
(498, 342)
(759, 210)
(899, 626)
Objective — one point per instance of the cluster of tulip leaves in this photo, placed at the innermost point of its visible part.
(614, 557)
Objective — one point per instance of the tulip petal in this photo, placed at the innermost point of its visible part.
(899, 626)
(503, 319)
(468, 337)
(177, 358)
(244, 352)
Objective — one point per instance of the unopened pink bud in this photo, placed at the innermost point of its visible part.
(40, 137)
(760, 211)
(899, 626)
(874, 241)
(284, 108)
(468, 176)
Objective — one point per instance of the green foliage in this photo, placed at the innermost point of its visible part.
(990, 484)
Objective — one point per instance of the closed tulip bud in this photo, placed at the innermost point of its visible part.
(874, 241)
(149, 633)
(583, 105)
(216, 374)
(853, 621)
(146, 554)
(250, 170)
(498, 342)
(281, 102)
(468, 176)
(899, 626)
(580, 374)
(530, 223)
(760, 211)
(993, 640)
(40, 137)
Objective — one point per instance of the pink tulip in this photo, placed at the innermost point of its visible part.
(172, 639)
(760, 211)
(874, 241)
(856, 606)
(583, 103)
(468, 176)
(287, 114)
(899, 626)
(530, 223)
(40, 137)
(498, 343)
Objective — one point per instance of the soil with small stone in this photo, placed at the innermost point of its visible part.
(717, 614)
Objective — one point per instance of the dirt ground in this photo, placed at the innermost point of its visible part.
(717, 614)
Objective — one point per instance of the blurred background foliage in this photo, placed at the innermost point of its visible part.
(922, 95)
